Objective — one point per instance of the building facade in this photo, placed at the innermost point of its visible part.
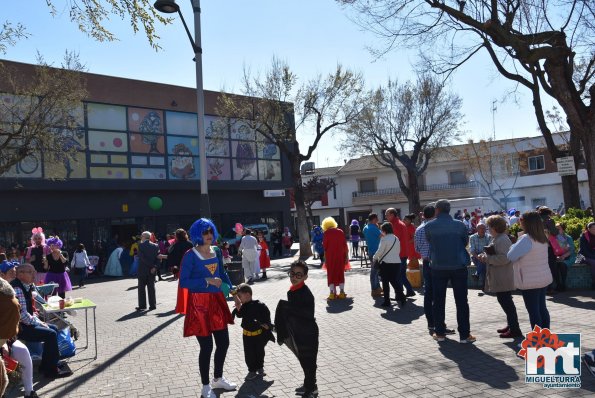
(491, 175)
(137, 168)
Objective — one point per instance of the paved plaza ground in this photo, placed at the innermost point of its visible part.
(365, 350)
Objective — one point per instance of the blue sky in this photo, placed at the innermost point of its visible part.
(311, 35)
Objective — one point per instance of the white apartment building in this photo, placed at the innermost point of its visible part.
(519, 172)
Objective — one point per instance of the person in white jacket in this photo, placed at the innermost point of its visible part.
(80, 262)
(389, 261)
(249, 249)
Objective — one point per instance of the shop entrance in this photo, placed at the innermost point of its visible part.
(124, 233)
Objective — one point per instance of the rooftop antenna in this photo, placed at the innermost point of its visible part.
(494, 109)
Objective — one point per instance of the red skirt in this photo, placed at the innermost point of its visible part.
(206, 313)
(182, 300)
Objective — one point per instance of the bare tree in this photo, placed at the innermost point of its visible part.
(314, 190)
(42, 115)
(277, 108)
(403, 126)
(495, 167)
(548, 47)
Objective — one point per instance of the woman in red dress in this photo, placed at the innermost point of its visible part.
(265, 260)
(336, 257)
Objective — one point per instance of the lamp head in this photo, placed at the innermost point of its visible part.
(166, 6)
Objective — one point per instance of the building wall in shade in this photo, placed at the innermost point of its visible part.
(137, 140)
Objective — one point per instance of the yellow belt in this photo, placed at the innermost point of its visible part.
(250, 334)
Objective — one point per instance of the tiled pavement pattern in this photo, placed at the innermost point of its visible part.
(365, 351)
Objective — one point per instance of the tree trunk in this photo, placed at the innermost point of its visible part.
(588, 142)
(310, 217)
(570, 191)
(300, 206)
(413, 197)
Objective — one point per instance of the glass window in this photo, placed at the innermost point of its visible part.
(108, 117)
(368, 185)
(457, 177)
(537, 202)
(536, 163)
(180, 123)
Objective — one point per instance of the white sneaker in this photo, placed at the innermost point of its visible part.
(223, 383)
(207, 392)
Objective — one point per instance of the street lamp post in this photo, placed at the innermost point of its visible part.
(169, 7)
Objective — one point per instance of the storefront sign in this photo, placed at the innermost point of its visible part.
(274, 193)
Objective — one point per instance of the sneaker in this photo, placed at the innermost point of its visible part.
(449, 331)
(503, 330)
(469, 339)
(310, 394)
(223, 383)
(342, 295)
(207, 392)
(261, 372)
(32, 394)
(251, 376)
(439, 337)
(300, 390)
(332, 296)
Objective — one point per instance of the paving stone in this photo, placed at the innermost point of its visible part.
(365, 350)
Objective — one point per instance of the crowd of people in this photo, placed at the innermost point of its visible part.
(533, 263)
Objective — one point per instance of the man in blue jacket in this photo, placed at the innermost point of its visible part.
(448, 240)
(372, 235)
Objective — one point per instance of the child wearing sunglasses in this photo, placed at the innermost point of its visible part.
(296, 326)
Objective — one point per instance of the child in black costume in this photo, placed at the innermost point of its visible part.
(256, 322)
(296, 326)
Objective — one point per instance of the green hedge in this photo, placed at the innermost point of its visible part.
(576, 221)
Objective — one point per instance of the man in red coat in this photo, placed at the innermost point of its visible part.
(336, 257)
(401, 232)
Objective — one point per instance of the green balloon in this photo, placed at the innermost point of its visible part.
(155, 203)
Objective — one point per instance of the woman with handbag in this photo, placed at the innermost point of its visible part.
(500, 274)
(80, 262)
(387, 260)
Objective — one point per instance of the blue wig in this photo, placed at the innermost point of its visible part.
(197, 229)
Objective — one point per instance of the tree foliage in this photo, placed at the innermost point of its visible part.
(42, 115)
(277, 107)
(91, 17)
(545, 46)
(403, 125)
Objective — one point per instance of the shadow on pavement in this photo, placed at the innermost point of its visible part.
(339, 305)
(255, 388)
(477, 366)
(571, 301)
(77, 381)
(403, 315)
(132, 315)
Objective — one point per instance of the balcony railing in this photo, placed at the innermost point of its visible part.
(422, 188)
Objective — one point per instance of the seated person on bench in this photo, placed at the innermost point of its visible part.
(31, 328)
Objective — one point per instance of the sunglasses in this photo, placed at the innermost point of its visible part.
(297, 275)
